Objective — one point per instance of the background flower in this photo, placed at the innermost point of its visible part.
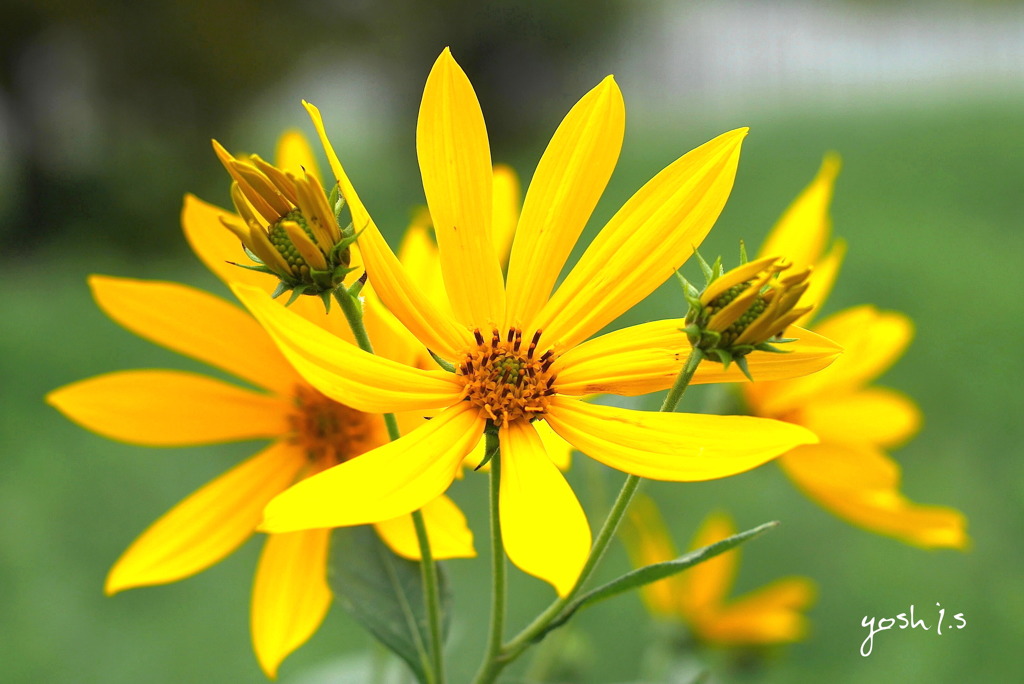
(311, 433)
(848, 472)
(771, 614)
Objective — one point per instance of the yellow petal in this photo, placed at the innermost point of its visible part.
(418, 254)
(196, 324)
(543, 526)
(770, 615)
(397, 290)
(290, 597)
(820, 284)
(648, 357)
(808, 353)
(294, 154)
(449, 535)
(680, 447)
(384, 483)
(170, 408)
(644, 243)
(707, 584)
(565, 188)
(647, 542)
(455, 162)
(872, 340)
(635, 360)
(209, 524)
(557, 449)
(343, 371)
(390, 338)
(505, 209)
(215, 245)
(875, 415)
(803, 230)
(861, 485)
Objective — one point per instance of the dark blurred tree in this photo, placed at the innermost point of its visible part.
(139, 88)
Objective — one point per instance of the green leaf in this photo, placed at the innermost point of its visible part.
(653, 573)
(384, 593)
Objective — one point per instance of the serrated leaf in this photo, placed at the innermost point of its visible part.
(384, 593)
(652, 573)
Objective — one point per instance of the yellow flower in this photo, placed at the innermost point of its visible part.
(848, 472)
(310, 433)
(519, 353)
(772, 614)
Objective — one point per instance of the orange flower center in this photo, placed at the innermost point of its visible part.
(505, 380)
(330, 432)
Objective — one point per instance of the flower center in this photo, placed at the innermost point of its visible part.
(507, 382)
(285, 247)
(330, 432)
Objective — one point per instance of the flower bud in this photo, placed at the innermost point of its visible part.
(745, 309)
(287, 226)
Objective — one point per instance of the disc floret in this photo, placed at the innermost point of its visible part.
(330, 432)
(507, 379)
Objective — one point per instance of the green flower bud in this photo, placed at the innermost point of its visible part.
(745, 309)
(288, 227)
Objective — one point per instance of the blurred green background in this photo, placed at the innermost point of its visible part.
(105, 118)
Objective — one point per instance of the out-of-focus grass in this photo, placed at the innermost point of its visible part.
(929, 200)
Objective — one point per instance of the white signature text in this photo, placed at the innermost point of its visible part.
(903, 621)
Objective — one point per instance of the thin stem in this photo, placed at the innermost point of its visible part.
(428, 572)
(491, 666)
(682, 381)
(353, 311)
(524, 639)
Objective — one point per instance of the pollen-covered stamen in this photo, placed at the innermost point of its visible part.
(329, 432)
(504, 381)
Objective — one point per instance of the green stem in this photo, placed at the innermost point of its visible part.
(491, 666)
(353, 311)
(525, 639)
(428, 572)
(682, 382)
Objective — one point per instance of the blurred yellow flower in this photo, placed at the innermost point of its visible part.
(310, 433)
(772, 614)
(848, 472)
(517, 349)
